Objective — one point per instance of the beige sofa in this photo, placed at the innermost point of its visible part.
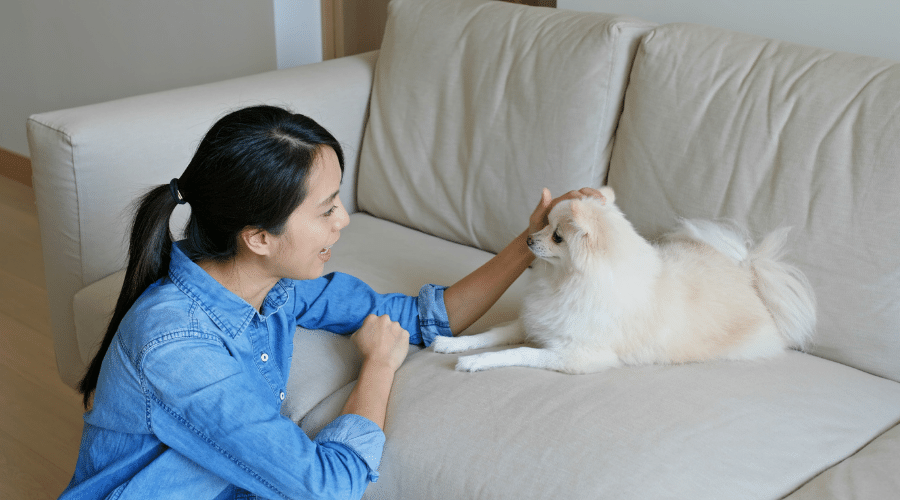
(450, 131)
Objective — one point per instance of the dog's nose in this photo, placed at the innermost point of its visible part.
(529, 241)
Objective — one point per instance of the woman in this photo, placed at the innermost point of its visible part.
(188, 383)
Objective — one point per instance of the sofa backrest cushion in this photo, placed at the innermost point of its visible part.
(718, 124)
(478, 105)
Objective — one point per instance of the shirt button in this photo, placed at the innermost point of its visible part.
(264, 357)
(282, 395)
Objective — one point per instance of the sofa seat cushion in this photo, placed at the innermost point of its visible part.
(698, 431)
(870, 474)
(387, 256)
(771, 134)
(477, 105)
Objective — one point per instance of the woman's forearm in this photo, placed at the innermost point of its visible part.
(471, 297)
(370, 396)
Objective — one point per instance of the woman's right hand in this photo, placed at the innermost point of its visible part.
(382, 341)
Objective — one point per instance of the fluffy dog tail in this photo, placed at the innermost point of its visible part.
(784, 290)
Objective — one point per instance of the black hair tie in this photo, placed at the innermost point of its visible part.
(176, 195)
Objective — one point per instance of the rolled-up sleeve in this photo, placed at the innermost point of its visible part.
(339, 303)
(433, 320)
(360, 435)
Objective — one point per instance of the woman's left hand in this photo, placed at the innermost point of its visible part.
(538, 219)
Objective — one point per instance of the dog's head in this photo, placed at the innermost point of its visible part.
(581, 232)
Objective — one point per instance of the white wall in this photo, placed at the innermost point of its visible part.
(298, 32)
(61, 53)
(870, 27)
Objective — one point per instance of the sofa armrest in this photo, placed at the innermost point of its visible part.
(91, 162)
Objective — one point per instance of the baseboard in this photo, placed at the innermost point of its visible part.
(15, 166)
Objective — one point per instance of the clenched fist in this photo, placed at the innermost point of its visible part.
(382, 341)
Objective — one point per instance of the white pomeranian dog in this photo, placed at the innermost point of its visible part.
(603, 297)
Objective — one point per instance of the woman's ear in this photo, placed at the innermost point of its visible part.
(259, 241)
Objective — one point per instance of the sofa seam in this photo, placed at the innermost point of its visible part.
(617, 28)
(649, 29)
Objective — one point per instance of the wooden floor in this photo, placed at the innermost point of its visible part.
(40, 416)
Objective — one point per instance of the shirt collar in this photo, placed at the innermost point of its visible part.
(229, 312)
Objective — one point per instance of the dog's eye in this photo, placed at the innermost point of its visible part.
(557, 238)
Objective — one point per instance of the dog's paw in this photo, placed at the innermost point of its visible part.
(448, 345)
(473, 363)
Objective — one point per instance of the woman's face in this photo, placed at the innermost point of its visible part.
(305, 246)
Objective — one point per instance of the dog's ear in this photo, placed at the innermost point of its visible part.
(607, 195)
(584, 213)
(576, 210)
(589, 221)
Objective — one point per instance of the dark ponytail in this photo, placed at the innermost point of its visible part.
(250, 170)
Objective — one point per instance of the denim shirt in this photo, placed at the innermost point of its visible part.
(188, 401)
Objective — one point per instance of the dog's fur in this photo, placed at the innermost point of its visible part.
(604, 297)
